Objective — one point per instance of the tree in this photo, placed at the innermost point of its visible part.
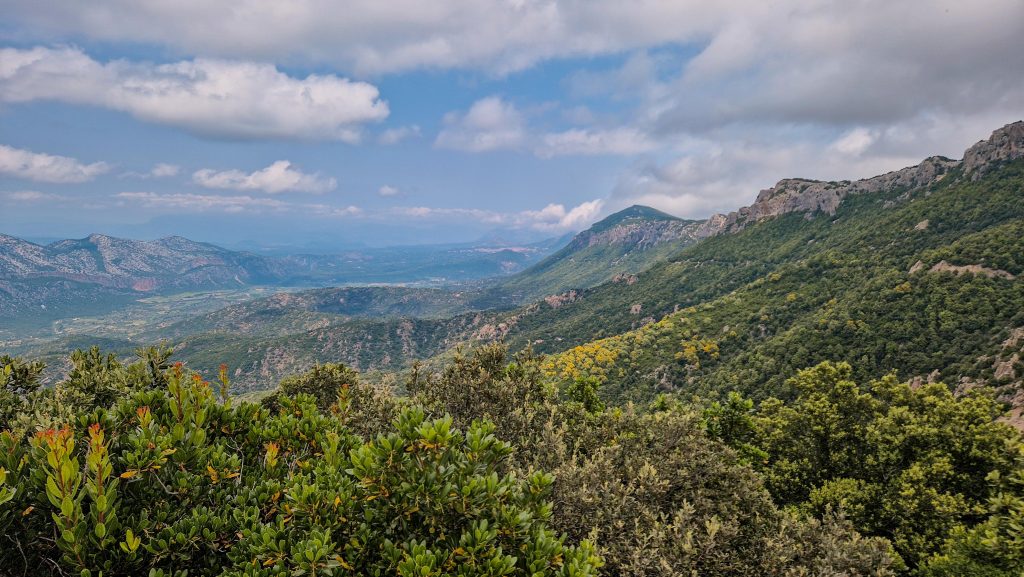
(906, 464)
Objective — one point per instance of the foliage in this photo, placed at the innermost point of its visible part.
(173, 481)
(18, 381)
(652, 489)
(902, 463)
(323, 382)
(797, 290)
(841, 479)
(995, 546)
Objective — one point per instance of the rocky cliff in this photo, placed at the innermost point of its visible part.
(813, 196)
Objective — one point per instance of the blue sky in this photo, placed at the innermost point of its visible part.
(409, 122)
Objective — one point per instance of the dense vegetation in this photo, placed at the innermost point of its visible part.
(756, 306)
(487, 468)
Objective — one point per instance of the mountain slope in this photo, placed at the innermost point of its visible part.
(622, 244)
(922, 279)
(781, 286)
(294, 312)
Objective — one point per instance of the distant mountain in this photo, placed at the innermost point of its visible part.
(97, 274)
(614, 248)
(143, 266)
(39, 283)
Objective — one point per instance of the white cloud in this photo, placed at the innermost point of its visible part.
(371, 37)
(494, 124)
(724, 170)
(489, 124)
(163, 170)
(188, 202)
(31, 196)
(855, 142)
(41, 167)
(388, 191)
(159, 170)
(218, 98)
(199, 203)
(619, 141)
(551, 218)
(276, 178)
(396, 135)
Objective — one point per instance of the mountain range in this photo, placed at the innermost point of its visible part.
(914, 272)
(99, 274)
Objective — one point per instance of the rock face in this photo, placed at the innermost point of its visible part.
(639, 227)
(813, 196)
(1007, 143)
(943, 266)
(641, 235)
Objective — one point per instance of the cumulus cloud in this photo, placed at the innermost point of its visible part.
(276, 178)
(208, 97)
(42, 167)
(388, 191)
(490, 124)
(556, 217)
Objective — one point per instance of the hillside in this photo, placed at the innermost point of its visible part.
(620, 245)
(293, 312)
(919, 277)
(782, 285)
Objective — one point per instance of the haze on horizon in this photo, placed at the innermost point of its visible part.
(297, 123)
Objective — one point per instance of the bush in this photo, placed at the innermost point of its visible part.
(173, 481)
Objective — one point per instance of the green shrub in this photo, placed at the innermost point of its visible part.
(173, 481)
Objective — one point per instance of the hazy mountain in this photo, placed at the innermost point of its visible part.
(98, 274)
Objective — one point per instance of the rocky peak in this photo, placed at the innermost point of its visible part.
(1007, 143)
(638, 226)
(812, 196)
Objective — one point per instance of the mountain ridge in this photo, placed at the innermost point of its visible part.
(809, 196)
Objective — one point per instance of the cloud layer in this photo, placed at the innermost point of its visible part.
(210, 97)
(42, 167)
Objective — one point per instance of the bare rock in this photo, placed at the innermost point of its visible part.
(1007, 143)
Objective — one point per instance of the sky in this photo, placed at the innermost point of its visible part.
(331, 124)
